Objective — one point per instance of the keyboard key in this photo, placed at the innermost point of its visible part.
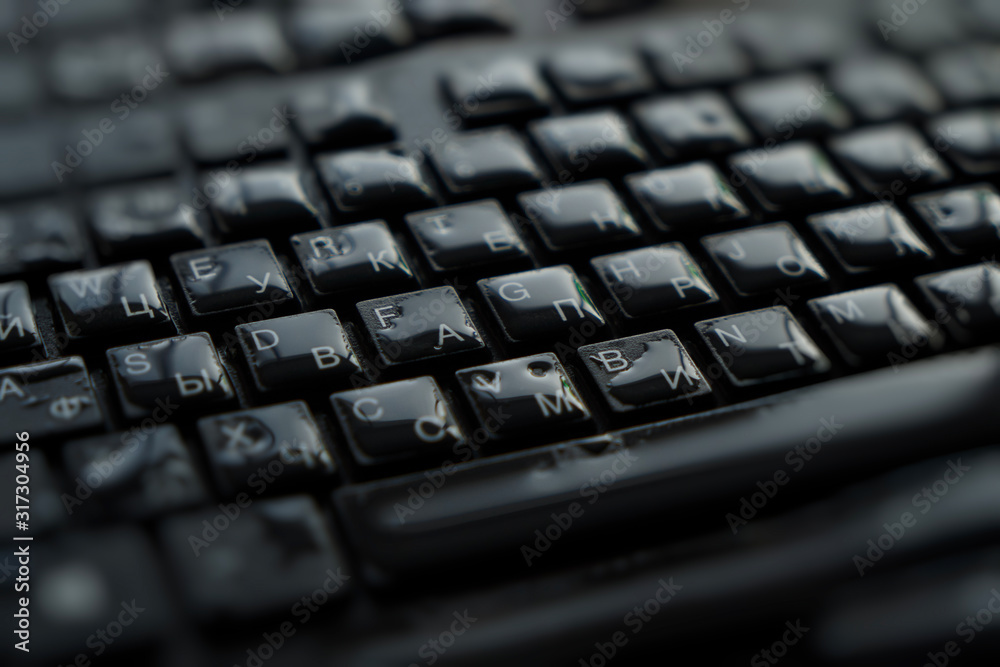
(873, 236)
(794, 105)
(966, 300)
(541, 304)
(760, 346)
(876, 325)
(420, 325)
(344, 114)
(48, 399)
(141, 143)
(262, 199)
(967, 74)
(586, 214)
(433, 18)
(111, 301)
(884, 88)
(974, 137)
(778, 42)
(688, 126)
(353, 257)
(966, 219)
(680, 65)
(467, 236)
(181, 373)
(644, 370)
(486, 161)
(271, 555)
(399, 420)
(686, 197)
(598, 75)
(35, 143)
(40, 237)
(504, 91)
(654, 280)
(890, 157)
(201, 46)
(764, 259)
(299, 351)
(134, 474)
(235, 127)
(232, 277)
(523, 397)
(323, 34)
(274, 449)
(590, 145)
(143, 220)
(930, 29)
(102, 67)
(794, 174)
(366, 181)
(18, 330)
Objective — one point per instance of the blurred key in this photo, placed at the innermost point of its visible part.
(49, 399)
(346, 113)
(129, 143)
(17, 318)
(869, 237)
(764, 259)
(690, 125)
(502, 91)
(877, 325)
(109, 67)
(596, 144)
(597, 75)
(966, 300)
(680, 61)
(967, 219)
(263, 199)
(886, 157)
(29, 149)
(884, 88)
(686, 198)
(585, 214)
(236, 127)
(438, 18)
(782, 41)
(37, 237)
(273, 449)
(792, 175)
(968, 74)
(918, 31)
(974, 137)
(792, 105)
(329, 33)
(486, 162)
(468, 236)
(364, 256)
(369, 181)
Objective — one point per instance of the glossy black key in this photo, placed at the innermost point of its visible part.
(598, 75)
(364, 255)
(273, 449)
(299, 351)
(268, 200)
(763, 259)
(585, 214)
(965, 300)
(873, 236)
(644, 370)
(399, 420)
(891, 157)
(761, 346)
(236, 127)
(968, 74)
(688, 126)
(597, 144)
(181, 373)
(794, 105)
(523, 397)
(541, 304)
(503, 91)
(135, 143)
(329, 33)
(974, 137)
(364, 181)
(139, 221)
(276, 553)
(201, 46)
(967, 219)
(232, 277)
(930, 29)
(680, 62)
(876, 325)
(654, 280)
(109, 301)
(486, 161)
(467, 236)
(344, 114)
(796, 174)
(18, 329)
(51, 398)
(433, 18)
(134, 474)
(39, 237)
(685, 198)
(420, 325)
(884, 88)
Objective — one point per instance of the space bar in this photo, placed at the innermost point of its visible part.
(832, 433)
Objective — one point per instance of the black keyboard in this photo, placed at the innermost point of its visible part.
(498, 332)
